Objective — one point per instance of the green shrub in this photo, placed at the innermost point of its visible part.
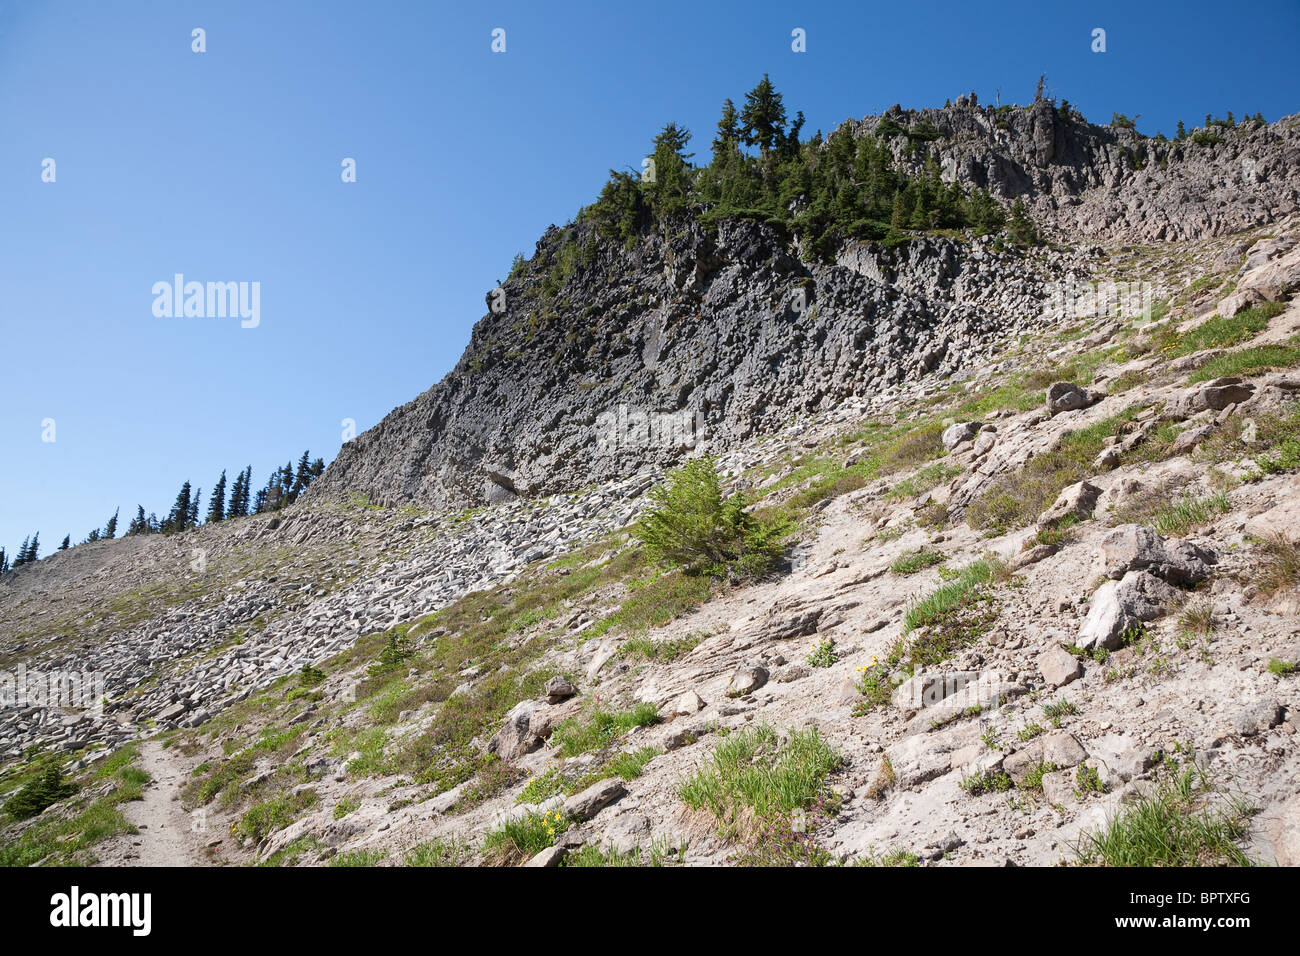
(437, 852)
(665, 650)
(690, 525)
(823, 653)
(45, 791)
(990, 781)
(1177, 518)
(936, 605)
(1248, 362)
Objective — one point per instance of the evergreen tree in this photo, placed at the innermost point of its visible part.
(92, 537)
(4, 561)
(1182, 131)
(34, 549)
(1020, 229)
(245, 492)
(672, 183)
(762, 121)
(217, 504)
(66, 542)
(236, 492)
(138, 524)
(727, 143)
(110, 529)
(192, 516)
(21, 558)
(177, 519)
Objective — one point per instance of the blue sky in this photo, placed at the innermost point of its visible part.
(225, 166)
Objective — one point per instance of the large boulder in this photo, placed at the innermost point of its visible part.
(747, 679)
(1282, 519)
(1058, 666)
(1078, 501)
(955, 435)
(1121, 605)
(559, 688)
(516, 737)
(1135, 547)
(585, 805)
(1216, 395)
(1066, 397)
(1271, 273)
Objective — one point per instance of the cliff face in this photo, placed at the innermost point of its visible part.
(1110, 183)
(600, 361)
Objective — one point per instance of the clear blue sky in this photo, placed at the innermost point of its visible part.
(225, 166)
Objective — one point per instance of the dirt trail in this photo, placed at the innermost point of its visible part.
(166, 836)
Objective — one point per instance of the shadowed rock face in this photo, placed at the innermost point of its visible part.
(694, 339)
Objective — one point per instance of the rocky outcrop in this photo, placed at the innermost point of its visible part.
(1108, 182)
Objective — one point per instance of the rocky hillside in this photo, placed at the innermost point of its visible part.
(1041, 572)
(703, 336)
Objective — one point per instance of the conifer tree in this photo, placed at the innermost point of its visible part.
(672, 184)
(302, 478)
(217, 504)
(4, 561)
(21, 558)
(762, 121)
(246, 492)
(1020, 229)
(180, 513)
(236, 493)
(192, 516)
(138, 524)
(34, 549)
(727, 143)
(65, 543)
(110, 529)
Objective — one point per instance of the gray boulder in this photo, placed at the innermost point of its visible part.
(1134, 547)
(747, 679)
(1066, 397)
(1078, 500)
(1058, 666)
(955, 435)
(1120, 605)
(585, 805)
